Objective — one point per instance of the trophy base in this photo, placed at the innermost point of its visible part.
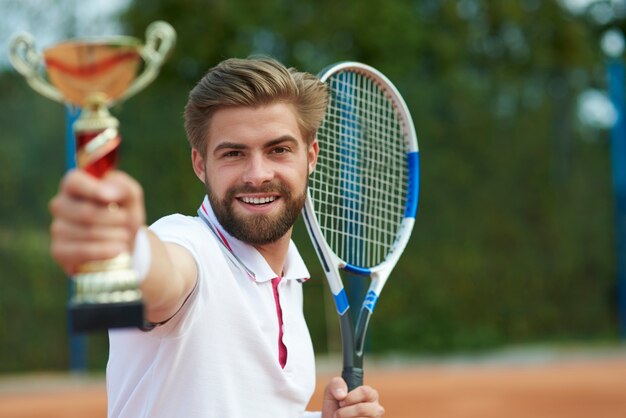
(85, 317)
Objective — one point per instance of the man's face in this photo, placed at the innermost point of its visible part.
(255, 170)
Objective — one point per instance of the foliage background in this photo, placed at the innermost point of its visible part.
(514, 240)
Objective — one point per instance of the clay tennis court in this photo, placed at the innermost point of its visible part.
(572, 387)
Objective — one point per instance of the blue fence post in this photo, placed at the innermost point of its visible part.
(77, 342)
(618, 161)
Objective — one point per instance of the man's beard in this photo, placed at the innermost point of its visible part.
(257, 229)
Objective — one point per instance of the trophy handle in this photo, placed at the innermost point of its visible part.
(28, 62)
(160, 38)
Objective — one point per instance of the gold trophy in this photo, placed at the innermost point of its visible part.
(95, 74)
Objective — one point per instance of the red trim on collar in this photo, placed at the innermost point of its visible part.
(222, 237)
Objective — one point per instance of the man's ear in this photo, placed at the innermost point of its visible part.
(199, 165)
(313, 152)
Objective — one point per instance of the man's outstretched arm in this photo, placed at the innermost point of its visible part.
(97, 219)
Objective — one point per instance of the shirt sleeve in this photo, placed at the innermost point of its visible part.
(181, 230)
(307, 414)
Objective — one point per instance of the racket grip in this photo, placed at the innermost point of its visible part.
(353, 377)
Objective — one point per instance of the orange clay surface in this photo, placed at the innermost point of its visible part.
(575, 387)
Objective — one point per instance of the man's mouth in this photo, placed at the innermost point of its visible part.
(258, 200)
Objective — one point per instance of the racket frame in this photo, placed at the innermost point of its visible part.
(353, 337)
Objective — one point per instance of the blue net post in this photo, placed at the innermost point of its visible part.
(618, 161)
(77, 342)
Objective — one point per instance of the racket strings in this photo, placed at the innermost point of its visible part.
(359, 185)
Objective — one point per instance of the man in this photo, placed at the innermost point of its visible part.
(222, 291)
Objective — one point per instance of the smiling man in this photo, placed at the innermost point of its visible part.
(223, 290)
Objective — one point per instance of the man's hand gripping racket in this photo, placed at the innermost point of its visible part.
(362, 196)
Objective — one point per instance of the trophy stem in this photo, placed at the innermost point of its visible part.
(97, 138)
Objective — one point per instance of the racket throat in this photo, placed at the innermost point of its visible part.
(361, 332)
(352, 371)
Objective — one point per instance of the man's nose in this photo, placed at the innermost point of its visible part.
(258, 170)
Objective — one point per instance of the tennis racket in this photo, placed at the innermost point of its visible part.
(362, 196)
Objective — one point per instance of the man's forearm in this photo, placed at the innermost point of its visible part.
(170, 276)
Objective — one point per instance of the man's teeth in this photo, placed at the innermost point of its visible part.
(258, 200)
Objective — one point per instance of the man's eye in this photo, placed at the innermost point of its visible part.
(232, 154)
(280, 150)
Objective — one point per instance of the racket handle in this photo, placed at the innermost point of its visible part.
(353, 377)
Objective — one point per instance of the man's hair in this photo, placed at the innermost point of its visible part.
(254, 82)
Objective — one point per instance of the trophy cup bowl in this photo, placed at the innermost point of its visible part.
(94, 74)
(80, 69)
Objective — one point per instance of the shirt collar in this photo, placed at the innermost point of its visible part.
(250, 257)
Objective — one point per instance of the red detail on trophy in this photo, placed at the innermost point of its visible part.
(96, 151)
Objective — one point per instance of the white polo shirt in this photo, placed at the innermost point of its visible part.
(218, 357)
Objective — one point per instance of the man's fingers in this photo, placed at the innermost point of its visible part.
(361, 402)
(63, 230)
(80, 185)
(115, 186)
(129, 193)
(94, 219)
(74, 244)
(86, 212)
(118, 186)
(365, 410)
(336, 390)
(70, 255)
(117, 199)
(360, 394)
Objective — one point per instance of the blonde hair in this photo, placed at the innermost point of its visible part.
(254, 82)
